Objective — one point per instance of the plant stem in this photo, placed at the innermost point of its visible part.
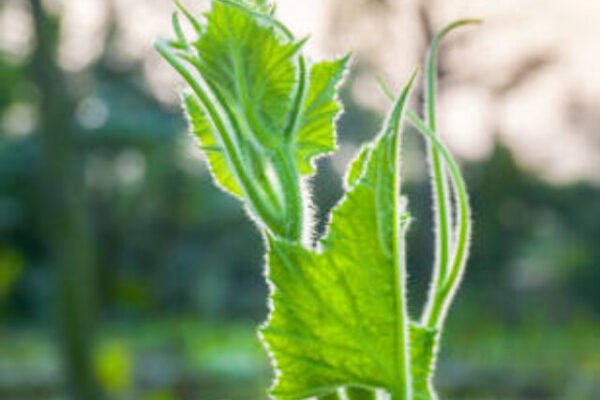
(292, 128)
(404, 385)
(290, 183)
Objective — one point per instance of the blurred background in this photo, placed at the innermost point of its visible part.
(125, 274)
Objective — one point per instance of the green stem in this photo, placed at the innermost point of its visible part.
(290, 184)
(292, 129)
(291, 180)
(403, 389)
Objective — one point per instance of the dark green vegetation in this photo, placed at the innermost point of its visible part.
(167, 244)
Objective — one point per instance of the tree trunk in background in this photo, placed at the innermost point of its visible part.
(67, 235)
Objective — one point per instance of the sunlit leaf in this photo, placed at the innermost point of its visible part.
(338, 315)
(252, 65)
(316, 134)
(213, 152)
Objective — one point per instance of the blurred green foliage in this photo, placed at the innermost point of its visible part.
(11, 265)
(175, 264)
(114, 367)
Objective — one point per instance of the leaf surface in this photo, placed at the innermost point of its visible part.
(213, 152)
(251, 64)
(316, 133)
(337, 311)
(257, 104)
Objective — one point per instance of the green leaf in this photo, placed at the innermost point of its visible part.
(261, 113)
(338, 313)
(316, 135)
(253, 65)
(357, 166)
(215, 156)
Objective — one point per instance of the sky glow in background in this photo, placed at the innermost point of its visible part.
(528, 77)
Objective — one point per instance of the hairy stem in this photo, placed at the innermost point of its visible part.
(403, 389)
(290, 183)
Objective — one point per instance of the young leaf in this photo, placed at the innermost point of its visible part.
(316, 134)
(338, 313)
(253, 66)
(213, 152)
(357, 167)
(260, 117)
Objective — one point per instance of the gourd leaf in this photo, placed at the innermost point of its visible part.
(253, 67)
(261, 112)
(212, 150)
(316, 135)
(357, 166)
(338, 313)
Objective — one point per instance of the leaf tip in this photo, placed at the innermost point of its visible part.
(413, 76)
(347, 58)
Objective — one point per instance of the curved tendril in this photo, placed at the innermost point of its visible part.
(439, 181)
(445, 269)
(444, 280)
